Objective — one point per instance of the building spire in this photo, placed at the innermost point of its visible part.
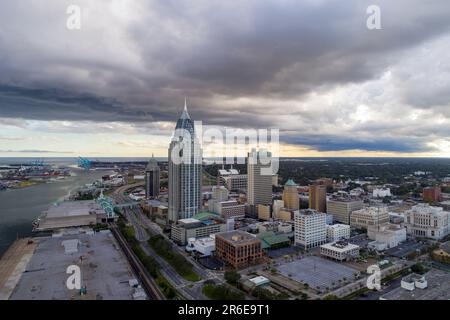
(185, 114)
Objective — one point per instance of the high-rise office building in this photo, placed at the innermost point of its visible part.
(152, 182)
(342, 207)
(310, 228)
(259, 184)
(290, 195)
(185, 170)
(318, 197)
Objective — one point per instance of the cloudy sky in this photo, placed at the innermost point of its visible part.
(310, 68)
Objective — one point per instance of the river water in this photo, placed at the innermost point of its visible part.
(19, 207)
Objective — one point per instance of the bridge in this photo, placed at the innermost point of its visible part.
(84, 163)
(127, 204)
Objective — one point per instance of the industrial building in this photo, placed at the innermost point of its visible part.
(39, 272)
(69, 214)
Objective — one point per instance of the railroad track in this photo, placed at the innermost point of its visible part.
(147, 281)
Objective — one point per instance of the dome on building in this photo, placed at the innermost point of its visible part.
(290, 183)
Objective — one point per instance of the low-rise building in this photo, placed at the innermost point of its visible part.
(426, 221)
(200, 226)
(433, 285)
(340, 250)
(270, 240)
(337, 232)
(203, 246)
(369, 216)
(275, 226)
(381, 192)
(387, 235)
(67, 214)
(238, 248)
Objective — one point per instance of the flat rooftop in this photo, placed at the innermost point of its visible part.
(74, 208)
(104, 270)
(339, 246)
(344, 199)
(237, 236)
(438, 288)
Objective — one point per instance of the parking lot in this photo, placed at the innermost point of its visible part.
(402, 250)
(318, 273)
(278, 253)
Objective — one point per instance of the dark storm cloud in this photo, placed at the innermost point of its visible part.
(50, 104)
(213, 52)
(333, 143)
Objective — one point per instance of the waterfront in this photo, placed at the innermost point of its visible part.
(19, 207)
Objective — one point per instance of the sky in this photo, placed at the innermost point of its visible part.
(311, 68)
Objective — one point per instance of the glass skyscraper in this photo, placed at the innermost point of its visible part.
(185, 170)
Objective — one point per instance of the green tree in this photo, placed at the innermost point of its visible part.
(232, 277)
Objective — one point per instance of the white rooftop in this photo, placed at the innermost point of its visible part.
(189, 220)
(333, 246)
(70, 245)
(259, 280)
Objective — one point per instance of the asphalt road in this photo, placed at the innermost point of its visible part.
(189, 290)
